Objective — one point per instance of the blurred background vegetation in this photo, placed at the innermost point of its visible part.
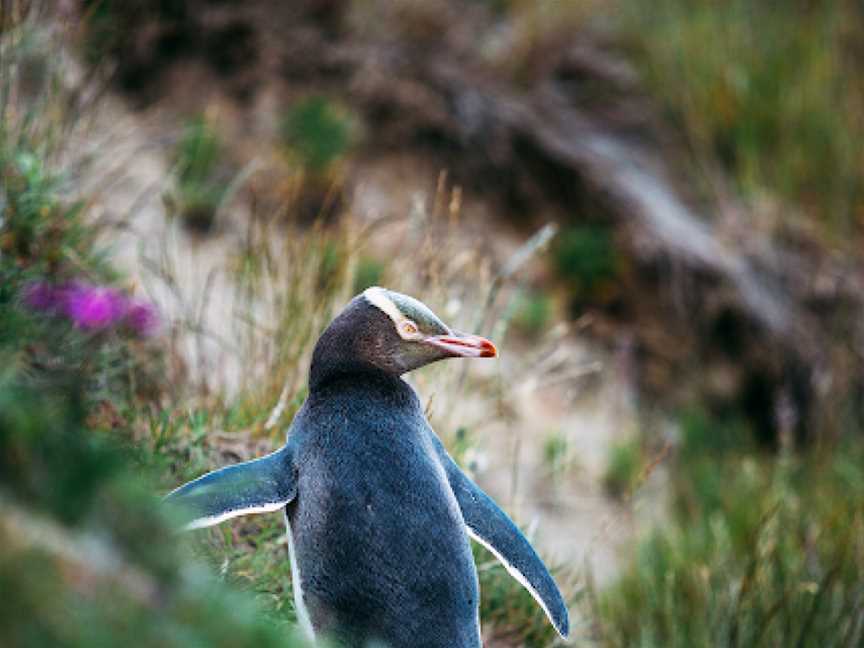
(655, 209)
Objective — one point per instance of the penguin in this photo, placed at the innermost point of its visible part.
(378, 514)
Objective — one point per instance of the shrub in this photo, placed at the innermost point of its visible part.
(201, 184)
(585, 256)
(624, 468)
(703, 434)
(86, 551)
(317, 132)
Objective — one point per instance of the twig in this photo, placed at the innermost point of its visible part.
(518, 259)
(234, 186)
(281, 404)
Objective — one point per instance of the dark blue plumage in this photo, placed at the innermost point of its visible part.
(378, 534)
(378, 514)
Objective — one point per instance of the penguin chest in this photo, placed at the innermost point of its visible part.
(382, 550)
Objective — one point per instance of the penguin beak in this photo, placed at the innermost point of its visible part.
(463, 345)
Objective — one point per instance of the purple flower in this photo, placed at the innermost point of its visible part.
(42, 296)
(94, 308)
(142, 318)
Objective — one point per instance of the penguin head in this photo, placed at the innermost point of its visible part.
(394, 333)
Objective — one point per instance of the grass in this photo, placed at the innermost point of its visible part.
(624, 469)
(201, 181)
(532, 313)
(317, 132)
(557, 459)
(760, 550)
(369, 273)
(316, 136)
(769, 92)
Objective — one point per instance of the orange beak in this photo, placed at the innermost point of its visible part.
(462, 345)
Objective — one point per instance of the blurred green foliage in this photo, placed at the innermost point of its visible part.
(87, 552)
(463, 441)
(39, 234)
(556, 451)
(198, 152)
(42, 238)
(201, 182)
(532, 312)
(317, 132)
(773, 91)
(369, 273)
(585, 256)
(625, 466)
(102, 35)
(161, 31)
(760, 550)
(706, 434)
(88, 558)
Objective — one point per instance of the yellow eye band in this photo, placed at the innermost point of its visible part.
(407, 329)
(378, 298)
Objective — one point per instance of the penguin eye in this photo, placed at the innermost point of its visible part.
(408, 329)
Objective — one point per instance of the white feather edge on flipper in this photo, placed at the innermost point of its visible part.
(212, 520)
(516, 574)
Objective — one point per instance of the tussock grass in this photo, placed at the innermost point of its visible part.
(759, 550)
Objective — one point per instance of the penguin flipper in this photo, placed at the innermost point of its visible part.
(258, 486)
(493, 528)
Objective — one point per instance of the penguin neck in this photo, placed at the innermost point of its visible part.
(340, 361)
(326, 372)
